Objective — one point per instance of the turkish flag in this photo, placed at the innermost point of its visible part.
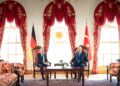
(87, 43)
(33, 42)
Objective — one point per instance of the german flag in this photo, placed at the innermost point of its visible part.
(33, 42)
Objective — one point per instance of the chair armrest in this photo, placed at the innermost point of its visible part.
(49, 63)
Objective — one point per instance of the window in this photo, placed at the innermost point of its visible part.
(109, 49)
(59, 47)
(11, 49)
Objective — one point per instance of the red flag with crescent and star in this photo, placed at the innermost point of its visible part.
(87, 43)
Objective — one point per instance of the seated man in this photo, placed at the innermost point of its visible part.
(80, 59)
(41, 61)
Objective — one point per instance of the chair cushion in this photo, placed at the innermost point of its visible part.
(114, 68)
(6, 79)
(3, 84)
(5, 67)
(115, 65)
(114, 71)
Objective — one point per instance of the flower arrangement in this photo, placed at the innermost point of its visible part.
(63, 64)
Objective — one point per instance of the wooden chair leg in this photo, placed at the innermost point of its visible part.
(88, 69)
(107, 76)
(78, 76)
(55, 75)
(118, 80)
(107, 71)
(18, 77)
(88, 73)
(45, 74)
(34, 74)
(71, 74)
(50, 74)
(110, 78)
(67, 75)
(22, 78)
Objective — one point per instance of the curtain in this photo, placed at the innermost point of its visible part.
(1, 35)
(72, 37)
(11, 10)
(118, 16)
(46, 37)
(59, 9)
(107, 9)
(96, 46)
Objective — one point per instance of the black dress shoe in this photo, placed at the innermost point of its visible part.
(74, 78)
(79, 78)
(43, 78)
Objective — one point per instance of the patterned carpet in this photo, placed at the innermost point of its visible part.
(93, 80)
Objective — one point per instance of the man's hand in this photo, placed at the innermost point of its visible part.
(71, 62)
(86, 64)
(45, 62)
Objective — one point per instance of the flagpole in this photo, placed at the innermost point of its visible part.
(33, 23)
(86, 21)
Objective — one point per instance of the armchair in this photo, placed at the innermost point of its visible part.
(20, 69)
(35, 67)
(114, 70)
(7, 75)
(87, 70)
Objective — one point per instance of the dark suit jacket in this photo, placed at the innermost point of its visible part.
(80, 59)
(40, 58)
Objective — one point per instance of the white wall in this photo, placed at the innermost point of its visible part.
(84, 10)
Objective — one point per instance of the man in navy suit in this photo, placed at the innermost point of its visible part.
(41, 61)
(80, 59)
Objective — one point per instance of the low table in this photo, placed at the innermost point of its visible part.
(67, 69)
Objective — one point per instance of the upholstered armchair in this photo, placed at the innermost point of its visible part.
(114, 70)
(7, 75)
(20, 69)
(35, 67)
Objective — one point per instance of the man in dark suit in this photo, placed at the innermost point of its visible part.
(42, 61)
(80, 59)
